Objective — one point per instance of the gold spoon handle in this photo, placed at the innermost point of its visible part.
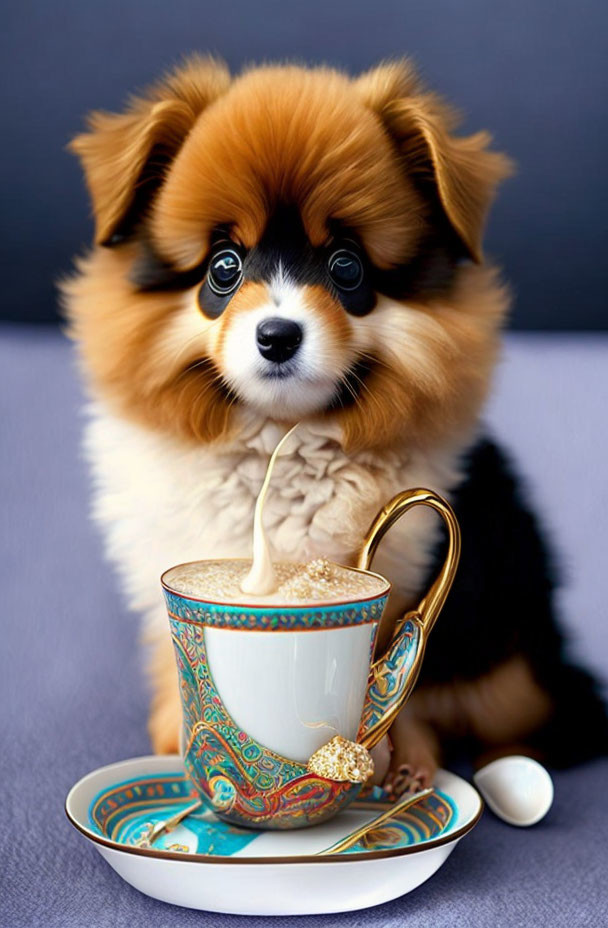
(168, 824)
(360, 833)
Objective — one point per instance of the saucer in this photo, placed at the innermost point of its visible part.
(205, 863)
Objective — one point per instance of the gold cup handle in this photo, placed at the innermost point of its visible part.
(394, 675)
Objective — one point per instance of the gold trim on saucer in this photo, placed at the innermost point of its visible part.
(175, 761)
(295, 859)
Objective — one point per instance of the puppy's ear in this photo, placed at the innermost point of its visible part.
(125, 155)
(462, 170)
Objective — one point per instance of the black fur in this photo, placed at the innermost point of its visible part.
(430, 273)
(501, 604)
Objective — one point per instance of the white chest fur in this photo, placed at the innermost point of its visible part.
(161, 502)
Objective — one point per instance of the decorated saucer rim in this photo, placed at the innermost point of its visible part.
(161, 854)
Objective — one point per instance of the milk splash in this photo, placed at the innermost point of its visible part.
(261, 578)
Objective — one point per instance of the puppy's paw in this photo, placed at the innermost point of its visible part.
(408, 779)
(164, 727)
(414, 759)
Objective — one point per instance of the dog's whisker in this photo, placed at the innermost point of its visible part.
(202, 362)
(373, 399)
(178, 357)
(376, 360)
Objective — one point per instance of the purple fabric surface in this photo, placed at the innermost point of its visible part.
(71, 690)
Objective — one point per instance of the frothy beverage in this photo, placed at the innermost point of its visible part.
(320, 581)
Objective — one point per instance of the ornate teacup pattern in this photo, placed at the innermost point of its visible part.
(266, 689)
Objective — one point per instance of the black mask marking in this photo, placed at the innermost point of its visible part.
(285, 242)
(285, 245)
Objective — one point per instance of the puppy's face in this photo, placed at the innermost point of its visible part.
(293, 243)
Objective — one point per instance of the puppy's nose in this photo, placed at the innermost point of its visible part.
(278, 339)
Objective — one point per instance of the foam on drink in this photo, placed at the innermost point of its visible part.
(319, 581)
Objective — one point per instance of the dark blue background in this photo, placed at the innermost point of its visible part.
(532, 71)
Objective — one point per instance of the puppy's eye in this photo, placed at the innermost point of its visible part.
(345, 269)
(225, 271)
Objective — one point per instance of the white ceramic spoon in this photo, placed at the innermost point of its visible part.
(517, 789)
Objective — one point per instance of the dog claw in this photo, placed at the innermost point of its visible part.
(406, 779)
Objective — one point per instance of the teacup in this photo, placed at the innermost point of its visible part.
(282, 702)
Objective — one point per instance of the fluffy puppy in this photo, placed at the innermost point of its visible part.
(294, 244)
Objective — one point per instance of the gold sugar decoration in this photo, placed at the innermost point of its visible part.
(343, 761)
(320, 569)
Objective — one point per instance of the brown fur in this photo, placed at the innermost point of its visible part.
(132, 352)
(117, 149)
(240, 148)
(135, 352)
(201, 149)
(465, 172)
(314, 143)
(166, 710)
(435, 363)
(496, 711)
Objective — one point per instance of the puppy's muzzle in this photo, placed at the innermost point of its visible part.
(278, 339)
